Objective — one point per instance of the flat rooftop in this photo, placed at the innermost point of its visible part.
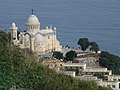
(74, 64)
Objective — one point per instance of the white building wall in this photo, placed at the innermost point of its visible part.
(48, 35)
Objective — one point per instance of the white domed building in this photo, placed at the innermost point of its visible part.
(36, 39)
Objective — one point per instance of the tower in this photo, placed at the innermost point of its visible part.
(54, 38)
(13, 31)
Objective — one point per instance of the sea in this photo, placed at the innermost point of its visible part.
(97, 20)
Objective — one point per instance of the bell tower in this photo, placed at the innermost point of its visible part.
(13, 31)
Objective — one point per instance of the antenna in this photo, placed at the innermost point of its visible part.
(32, 11)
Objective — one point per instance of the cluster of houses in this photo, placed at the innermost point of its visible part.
(85, 69)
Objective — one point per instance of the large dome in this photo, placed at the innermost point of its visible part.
(33, 20)
(33, 24)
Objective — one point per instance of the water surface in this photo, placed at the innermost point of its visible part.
(98, 20)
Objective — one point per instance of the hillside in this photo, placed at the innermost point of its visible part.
(19, 68)
(110, 61)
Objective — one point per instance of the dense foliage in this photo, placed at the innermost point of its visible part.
(110, 61)
(57, 55)
(70, 55)
(18, 67)
(94, 47)
(85, 44)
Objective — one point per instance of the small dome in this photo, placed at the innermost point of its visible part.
(33, 20)
(13, 25)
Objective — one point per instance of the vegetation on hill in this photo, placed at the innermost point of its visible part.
(110, 61)
(70, 55)
(85, 44)
(94, 47)
(57, 55)
(19, 68)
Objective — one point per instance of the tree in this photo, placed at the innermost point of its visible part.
(71, 55)
(57, 55)
(110, 61)
(4, 38)
(94, 47)
(84, 43)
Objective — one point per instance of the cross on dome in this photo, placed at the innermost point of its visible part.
(32, 12)
(33, 23)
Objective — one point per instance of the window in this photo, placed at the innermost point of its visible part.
(76, 67)
(113, 86)
(80, 67)
(48, 37)
(37, 44)
(106, 73)
(14, 38)
(119, 85)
